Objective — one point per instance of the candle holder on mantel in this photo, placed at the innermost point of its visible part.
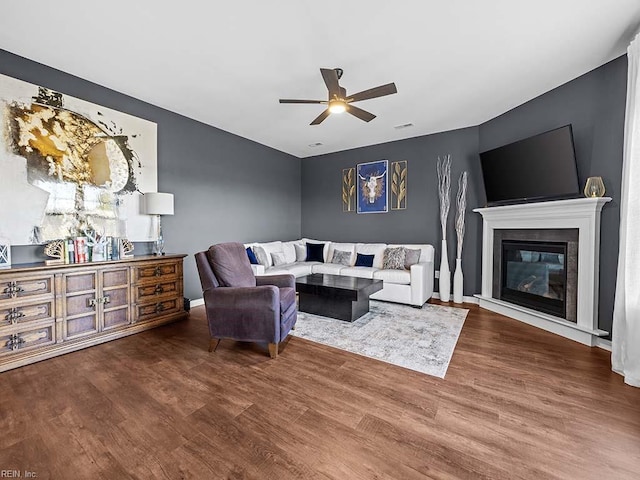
(594, 187)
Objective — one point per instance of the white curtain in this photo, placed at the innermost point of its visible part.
(625, 357)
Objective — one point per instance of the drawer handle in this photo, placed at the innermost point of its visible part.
(14, 315)
(92, 302)
(158, 289)
(106, 299)
(13, 289)
(15, 342)
(159, 307)
(158, 271)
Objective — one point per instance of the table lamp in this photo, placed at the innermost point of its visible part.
(158, 204)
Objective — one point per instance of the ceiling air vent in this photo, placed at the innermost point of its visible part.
(313, 145)
(404, 125)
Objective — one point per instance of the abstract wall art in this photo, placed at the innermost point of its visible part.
(399, 185)
(348, 189)
(372, 187)
(68, 165)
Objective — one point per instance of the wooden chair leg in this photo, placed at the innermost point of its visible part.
(213, 344)
(273, 350)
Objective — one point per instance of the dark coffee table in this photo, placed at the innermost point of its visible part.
(344, 298)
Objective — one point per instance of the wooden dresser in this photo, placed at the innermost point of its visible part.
(49, 310)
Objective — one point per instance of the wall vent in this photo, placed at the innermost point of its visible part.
(313, 145)
(404, 125)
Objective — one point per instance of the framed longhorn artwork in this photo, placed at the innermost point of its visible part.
(372, 182)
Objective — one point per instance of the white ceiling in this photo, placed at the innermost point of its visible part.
(456, 63)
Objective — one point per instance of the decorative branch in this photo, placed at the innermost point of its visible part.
(444, 188)
(461, 204)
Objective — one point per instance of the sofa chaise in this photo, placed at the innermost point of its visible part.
(410, 281)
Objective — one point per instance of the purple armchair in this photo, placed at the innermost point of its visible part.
(240, 305)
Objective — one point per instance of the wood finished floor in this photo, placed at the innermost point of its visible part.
(516, 403)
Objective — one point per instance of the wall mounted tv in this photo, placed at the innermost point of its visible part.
(538, 168)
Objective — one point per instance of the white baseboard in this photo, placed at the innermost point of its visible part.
(603, 343)
(465, 299)
(196, 302)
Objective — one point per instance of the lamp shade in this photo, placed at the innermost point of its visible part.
(156, 203)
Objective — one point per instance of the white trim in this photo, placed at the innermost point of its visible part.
(603, 343)
(197, 302)
(546, 322)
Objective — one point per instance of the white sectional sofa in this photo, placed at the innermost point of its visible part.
(412, 286)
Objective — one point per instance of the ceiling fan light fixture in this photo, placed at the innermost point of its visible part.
(337, 106)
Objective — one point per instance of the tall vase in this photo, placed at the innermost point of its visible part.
(445, 273)
(458, 281)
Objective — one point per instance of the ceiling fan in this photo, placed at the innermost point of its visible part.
(339, 101)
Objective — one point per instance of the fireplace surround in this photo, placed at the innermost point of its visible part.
(575, 226)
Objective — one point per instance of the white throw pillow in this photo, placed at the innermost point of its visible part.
(289, 250)
(278, 258)
(263, 257)
(301, 252)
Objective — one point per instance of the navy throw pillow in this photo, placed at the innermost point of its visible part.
(364, 260)
(252, 257)
(314, 252)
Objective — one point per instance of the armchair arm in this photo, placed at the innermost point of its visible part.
(281, 281)
(249, 314)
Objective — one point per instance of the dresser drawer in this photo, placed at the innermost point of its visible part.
(25, 313)
(149, 311)
(27, 339)
(25, 287)
(147, 292)
(156, 271)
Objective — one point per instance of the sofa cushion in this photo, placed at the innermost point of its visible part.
(297, 269)
(345, 247)
(402, 277)
(231, 265)
(411, 256)
(325, 251)
(278, 258)
(301, 252)
(360, 272)
(315, 252)
(263, 257)
(393, 258)
(289, 250)
(341, 257)
(252, 256)
(330, 268)
(363, 260)
(376, 249)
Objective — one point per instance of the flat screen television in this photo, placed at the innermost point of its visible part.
(538, 168)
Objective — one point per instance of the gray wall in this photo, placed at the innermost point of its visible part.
(595, 106)
(226, 188)
(323, 218)
(593, 103)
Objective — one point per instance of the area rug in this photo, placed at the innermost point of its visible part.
(417, 339)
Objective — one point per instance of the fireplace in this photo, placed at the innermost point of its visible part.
(537, 269)
(534, 275)
(540, 265)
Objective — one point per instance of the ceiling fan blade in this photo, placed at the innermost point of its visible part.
(290, 100)
(361, 114)
(375, 92)
(320, 118)
(330, 77)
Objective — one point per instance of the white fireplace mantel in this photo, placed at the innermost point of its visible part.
(580, 213)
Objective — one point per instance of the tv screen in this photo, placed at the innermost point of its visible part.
(538, 168)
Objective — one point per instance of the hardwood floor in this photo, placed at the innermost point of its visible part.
(516, 403)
